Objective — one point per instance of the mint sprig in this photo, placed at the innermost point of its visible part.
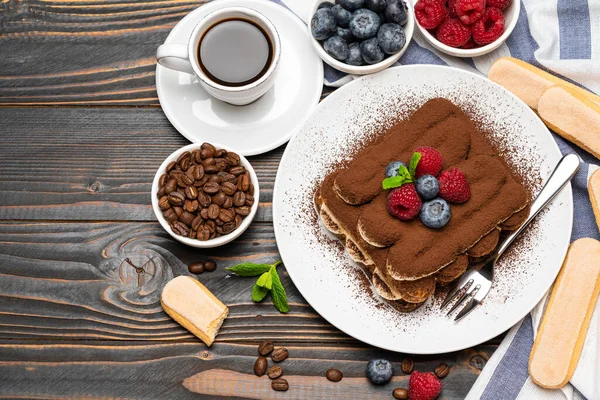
(268, 281)
(414, 161)
(405, 175)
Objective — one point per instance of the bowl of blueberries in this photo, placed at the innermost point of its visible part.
(361, 37)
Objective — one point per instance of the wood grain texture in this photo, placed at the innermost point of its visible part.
(93, 163)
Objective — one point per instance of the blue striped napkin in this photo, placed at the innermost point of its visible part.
(562, 37)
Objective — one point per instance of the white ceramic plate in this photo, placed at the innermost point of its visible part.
(268, 122)
(327, 278)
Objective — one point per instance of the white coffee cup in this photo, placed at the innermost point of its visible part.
(184, 57)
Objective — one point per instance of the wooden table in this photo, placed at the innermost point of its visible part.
(82, 135)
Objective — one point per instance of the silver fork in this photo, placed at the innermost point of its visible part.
(480, 279)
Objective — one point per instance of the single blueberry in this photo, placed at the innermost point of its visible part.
(342, 16)
(354, 56)
(371, 52)
(435, 213)
(346, 35)
(391, 38)
(376, 5)
(396, 12)
(325, 4)
(322, 24)
(360, 11)
(365, 25)
(336, 47)
(352, 5)
(392, 168)
(427, 187)
(379, 371)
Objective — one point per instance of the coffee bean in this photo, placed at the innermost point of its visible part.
(170, 186)
(249, 200)
(208, 162)
(192, 234)
(219, 198)
(204, 213)
(243, 211)
(400, 394)
(228, 203)
(220, 153)
(211, 169)
(239, 199)
(163, 180)
(176, 199)
(237, 171)
(227, 177)
(213, 211)
(442, 370)
(183, 156)
(219, 229)
(210, 265)
(178, 211)
(211, 187)
(265, 347)
(207, 150)
(204, 199)
(191, 205)
(215, 178)
(334, 375)
(211, 226)
(163, 203)
(202, 181)
(171, 165)
(238, 220)
(191, 192)
(203, 234)
(229, 227)
(161, 192)
(197, 155)
(226, 215)
(280, 384)
(221, 163)
(198, 172)
(228, 188)
(180, 228)
(279, 354)
(184, 181)
(170, 216)
(187, 217)
(196, 267)
(243, 183)
(214, 235)
(185, 164)
(197, 222)
(275, 372)
(232, 159)
(407, 365)
(260, 366)
(251, 188)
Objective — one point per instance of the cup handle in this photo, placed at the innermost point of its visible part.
(174, 56)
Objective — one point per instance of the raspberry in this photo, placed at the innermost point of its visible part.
(430, 13)
(470, 11)
(453, 33)
(431, 162)
(454, 186)
(423, 386)
(404, 203)
(469, 45)
(501, 4)
(490, 27)
(452, 8)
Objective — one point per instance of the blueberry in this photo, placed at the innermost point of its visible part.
(346, 35)
(376, 5)
(322, 24)
(392, 168)
(371, 52)
(379, 371)
(435, 213)
(336, 47)
(427, 187)
(391, 38)
(396, 12)
(342, 16)
(352, 5)
(325, 4)
(360, 11)
(354, 56)
(364, 25)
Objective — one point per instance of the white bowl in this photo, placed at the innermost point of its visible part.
(205, 244)
(363, 69)
(511, 15)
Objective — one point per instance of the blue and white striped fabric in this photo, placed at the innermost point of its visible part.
(563, 37)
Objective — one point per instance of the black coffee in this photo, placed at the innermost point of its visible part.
(235, 52)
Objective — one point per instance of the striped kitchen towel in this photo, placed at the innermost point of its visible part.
(562, 37)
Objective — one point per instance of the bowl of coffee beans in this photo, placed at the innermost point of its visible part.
(205, 195)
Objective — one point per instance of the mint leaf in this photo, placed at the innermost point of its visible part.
(249, 269)
(259, 293)
(266, 280)
(278, 293)
(395, 181)
(414, 161)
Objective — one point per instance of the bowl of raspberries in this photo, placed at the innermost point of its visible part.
(361, 37)
(466, 28)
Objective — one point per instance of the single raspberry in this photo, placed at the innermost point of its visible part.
(454, 186)
(490, 27)
(452, 8)
(501, 4)
(430, 13)
(423, 386)
(453, 33)
(431, 162)
(404, 203)
(470, 44)
(470, 11)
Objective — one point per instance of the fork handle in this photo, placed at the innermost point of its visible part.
(564, 171)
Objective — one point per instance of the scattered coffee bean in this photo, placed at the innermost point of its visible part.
(260, 366)
(265, 348)
(334, 375)
(196, 267)
(442, 370)
(275, 372)
(280, 384)
(210, 265)
(407, 365)
(400, 394)
(279, 354)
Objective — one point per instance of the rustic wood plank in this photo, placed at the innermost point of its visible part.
(91, 369)
(93, 163)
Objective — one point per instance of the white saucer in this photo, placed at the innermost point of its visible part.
(268, 122)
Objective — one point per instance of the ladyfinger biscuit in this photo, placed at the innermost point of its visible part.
(194, 307)
(594, 189)
(558, 345)
(528, 82)
(573, 116)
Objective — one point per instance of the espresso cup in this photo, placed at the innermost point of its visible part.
(186, 57)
